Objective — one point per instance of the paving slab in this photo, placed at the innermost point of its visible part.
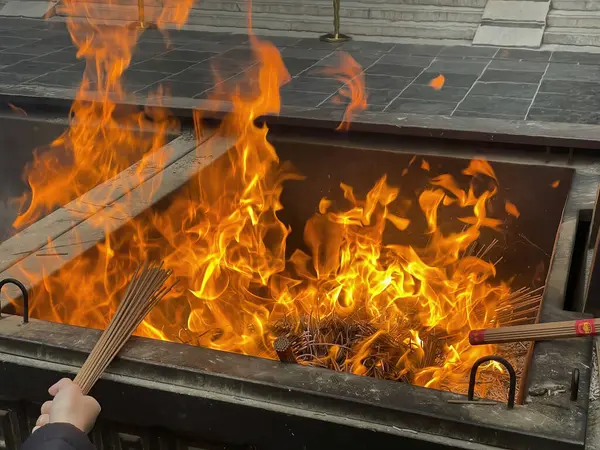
(38, 62)
(29, 9)
(509, 36)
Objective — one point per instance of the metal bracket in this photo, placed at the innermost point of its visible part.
(511, 372)
(24, 293)
(574, 384)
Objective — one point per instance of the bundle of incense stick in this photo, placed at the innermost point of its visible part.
(535, 332)
(143, 292)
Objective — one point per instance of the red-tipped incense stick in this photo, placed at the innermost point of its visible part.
(535, 332)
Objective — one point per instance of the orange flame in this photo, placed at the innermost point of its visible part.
(103, 138)
(512, 209)
(353, 77)
(438, 82)
(222, 237)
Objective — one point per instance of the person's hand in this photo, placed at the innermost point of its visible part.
(69, 406)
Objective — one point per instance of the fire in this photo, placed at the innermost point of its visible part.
(103, 138)
(356, 302)
(351, 74)
(438, 82)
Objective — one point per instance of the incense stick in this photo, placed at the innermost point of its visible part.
(144, 291)
(534, 332)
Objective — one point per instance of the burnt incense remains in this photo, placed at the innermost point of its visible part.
(283, 348)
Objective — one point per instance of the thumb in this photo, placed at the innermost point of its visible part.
(59, 386)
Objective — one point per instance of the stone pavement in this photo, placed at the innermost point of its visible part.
(480, 82)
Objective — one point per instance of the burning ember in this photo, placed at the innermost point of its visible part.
(355, 302)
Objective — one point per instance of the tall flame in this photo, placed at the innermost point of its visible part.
(103, 138)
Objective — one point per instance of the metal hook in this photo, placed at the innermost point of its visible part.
(511, 372)
(24, 293)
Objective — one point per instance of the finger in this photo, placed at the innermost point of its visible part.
(46, 407)
(92, 405)
(63, 383)
(43, 420)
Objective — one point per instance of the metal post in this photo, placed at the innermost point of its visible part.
(141, 14)
(336, 36)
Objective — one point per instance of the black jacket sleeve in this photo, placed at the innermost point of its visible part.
(58, 436)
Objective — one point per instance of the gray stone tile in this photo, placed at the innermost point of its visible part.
(245, 54)
(494, 105)
(368, 46)
(563, 115)
(313, 84)
(15, 78)
(166, 66)
(296, 66)
(204, 75)
(58, 78)
(32, 67)
(381, 96)
(417, 49)
(316, 44)
(479, 52)
(281, 41)
(509, 90)
(394, 70)
(141, 78)
(461, 58)
(572, 72)
(301, 98)
(517, 54)
(187, 55)
(177, 89)
(60, 57)
(294, 52)
(40, 48)
(446, 94)
(206, 46)
(406, 60)
(7, 59)
(574, 88)
(561, 101)
(576, 58)
(229, 38)
(385, 82)
(451, 79)
(225, 64)
(12, 41)
(460, 67)
(153, 48)
(410, 106)
(511, 76)
(364, 60)
(480, 115)
(520, 66)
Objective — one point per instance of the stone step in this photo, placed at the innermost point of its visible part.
(371, 28)
(575, 5)
(579, 19)
(355, 10)
(357, 27)
(572, 36)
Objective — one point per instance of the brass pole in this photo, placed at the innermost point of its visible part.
(336, 36)
(141, 14)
